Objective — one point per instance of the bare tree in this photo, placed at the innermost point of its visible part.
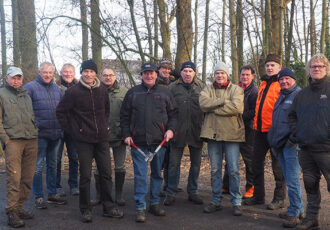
(196, 31)
(3, 40)
(234, 58)
(240, 34)
(223, 30)
(16, 48)
(289, 40)
(84, 29)
(96, 33)
(146, 17)
(206, 29)
(156, 28)
(325, 22)
(312, 28)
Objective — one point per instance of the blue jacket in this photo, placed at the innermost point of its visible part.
(45, 98)
(279, 132)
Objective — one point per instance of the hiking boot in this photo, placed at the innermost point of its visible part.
(56, 199)
(284, 215)
(40, 203)
(237, 210)
(276, 204)
(113, 213)
(248, 193)
(24, 215)
(14, 220)
(212, 208)
(195, 198)
(169, 200)
(74, 192)
(309, 224)
(60, 192)
(140, 216)
(291, 222)
(253, 201)
(156, 210)
(86, 216)
(225, 191)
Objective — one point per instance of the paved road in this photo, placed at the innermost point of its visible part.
(183, 215)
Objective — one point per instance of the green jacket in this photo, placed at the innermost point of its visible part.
(16, 114)
(223, 113)
(190, 116)
(116, 96)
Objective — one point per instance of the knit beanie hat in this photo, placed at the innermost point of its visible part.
(188, 64)
(273, 57)
(165, 63)
(286, 72)
(221, 66)
(88, 64)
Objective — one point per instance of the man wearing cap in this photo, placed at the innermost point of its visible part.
(268, 93)
(84, 114)
(285, 147)
(45, 95)
(147, 116)
(65, 81)
(18, 135)
(186, 92)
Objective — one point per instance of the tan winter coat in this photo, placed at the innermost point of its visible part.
(223, 113)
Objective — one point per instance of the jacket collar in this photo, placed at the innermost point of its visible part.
(114, 87)
(289, 91)
(195, 81)
(317, 84)
(269, 78)
(97, 83)
(42, 82)
(17, 91)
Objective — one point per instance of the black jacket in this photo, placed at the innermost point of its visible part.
(146, 114)
(250, 98)
(190, 115)
(309, 117)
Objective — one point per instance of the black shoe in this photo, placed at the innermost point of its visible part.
(237, 211)
(195, 198)
(276, 204)
(14, 220)
(40, 203)
(253, 201)
(140, 216)
(95, 202)
(284, 215)
(86, 216)
(25, 215)
(169, 200)
(309, 224)
(212, 208)
(113, 212)
(56, 199)
(156, 210)
(291, 222)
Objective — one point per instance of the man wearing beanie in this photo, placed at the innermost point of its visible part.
(46, 95)
(223, 129)
(186, 92)
(283, 144)
(84, 114)
(268, 93)
(147, 117)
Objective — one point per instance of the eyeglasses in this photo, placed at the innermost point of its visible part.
(108, 75)
(318, 66)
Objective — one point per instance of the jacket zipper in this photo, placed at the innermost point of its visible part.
(97, 130)
(51, 103)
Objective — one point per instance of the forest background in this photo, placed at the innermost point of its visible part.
(126, 33)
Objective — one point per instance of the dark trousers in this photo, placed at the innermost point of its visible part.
(313, 164)
(246, 149)
(86, 153)
(165, 166)
(261, 147)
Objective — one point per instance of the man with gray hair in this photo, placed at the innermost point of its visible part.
(46, 95)
(18, 135)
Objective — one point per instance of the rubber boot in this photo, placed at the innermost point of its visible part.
(119, 183)
(97, 199)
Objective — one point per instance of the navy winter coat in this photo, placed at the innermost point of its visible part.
(279, 132)
(45, 97)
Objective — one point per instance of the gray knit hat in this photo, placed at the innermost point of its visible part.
(222, 66)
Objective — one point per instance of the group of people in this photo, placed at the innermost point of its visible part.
(91, 116)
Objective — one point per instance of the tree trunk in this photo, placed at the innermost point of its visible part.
(276, 33)
(223, 31)
(206, 30)
(136, 32)
(27, 39)
(96, 33)
(289, 41)
(16, 48)
(312, 28)
(156, 27)
(184, 30)
(234, 58)
(3, 40)
(306, 41)
(196, 31)
(84, 29)
(148, 26)
(165, 31)
(240, 34)
(325, 22)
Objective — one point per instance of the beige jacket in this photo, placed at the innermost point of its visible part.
(223, 113)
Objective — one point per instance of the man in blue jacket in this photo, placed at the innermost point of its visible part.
(46, 95)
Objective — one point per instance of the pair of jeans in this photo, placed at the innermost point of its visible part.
(261, 147)
(47, 157)
(174, 169)
(73, 162)
(313, 164)
(216, 149)
(291, 170)
(141, 176)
